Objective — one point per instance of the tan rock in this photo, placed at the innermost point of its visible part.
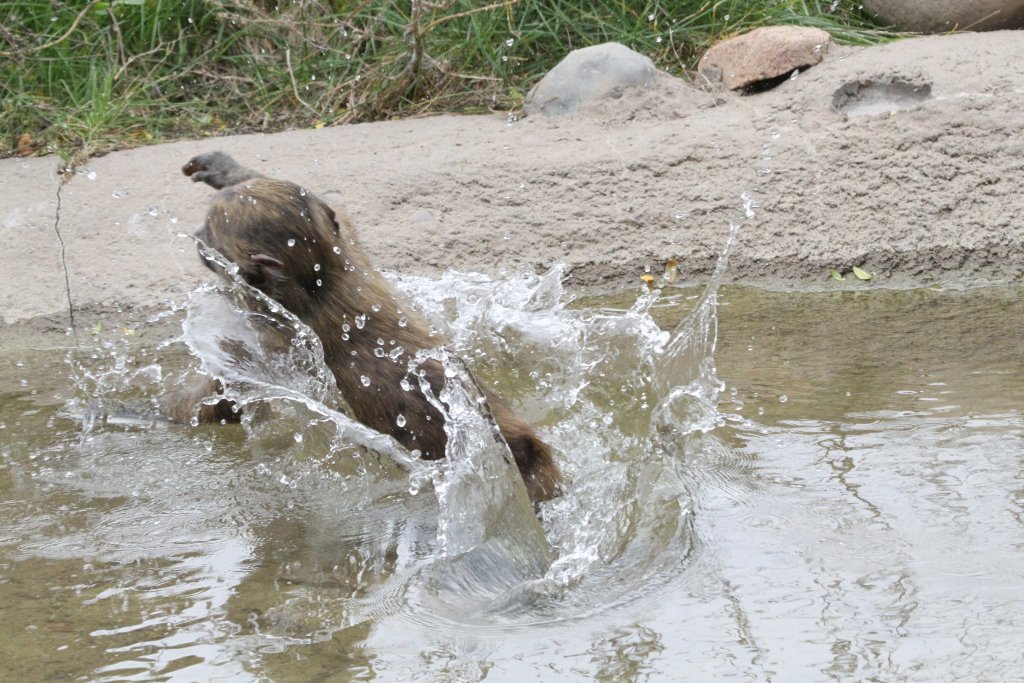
(763, 54)
(938, 16)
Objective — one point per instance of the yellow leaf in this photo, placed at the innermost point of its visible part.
(318, 124)
(648, 280)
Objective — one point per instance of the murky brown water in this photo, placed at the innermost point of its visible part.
(858, 514)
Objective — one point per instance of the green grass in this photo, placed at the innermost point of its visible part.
(132, 72)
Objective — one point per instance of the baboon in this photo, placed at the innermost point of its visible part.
(294, 248)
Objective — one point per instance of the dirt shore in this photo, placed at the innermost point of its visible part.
(917, 181)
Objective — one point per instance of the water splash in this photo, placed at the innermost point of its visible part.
(624, 404)
(490, 542)
(686, 382)
(270, 361)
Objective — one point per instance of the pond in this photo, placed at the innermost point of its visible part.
(834, 491)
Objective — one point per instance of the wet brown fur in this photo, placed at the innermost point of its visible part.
(251, 221)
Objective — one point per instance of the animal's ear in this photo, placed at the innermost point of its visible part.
(334, 219)
(271, 269)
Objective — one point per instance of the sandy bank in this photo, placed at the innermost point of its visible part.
(930, 193)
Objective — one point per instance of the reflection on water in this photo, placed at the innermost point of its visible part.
(846, 503)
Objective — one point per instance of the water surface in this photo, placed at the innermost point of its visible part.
(836, 493)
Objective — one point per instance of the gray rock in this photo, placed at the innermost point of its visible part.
(763, 54)
(937, 16)
(587, 74)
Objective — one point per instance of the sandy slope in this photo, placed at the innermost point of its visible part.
(926, 195)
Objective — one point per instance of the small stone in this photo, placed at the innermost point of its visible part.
(587, 74)
(422, 216)
(940, 16)
(763, 54)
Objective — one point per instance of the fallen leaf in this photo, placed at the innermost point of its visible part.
(836, 275)
(648, 280)
(861, 274)
(25, 146)
(60, 626)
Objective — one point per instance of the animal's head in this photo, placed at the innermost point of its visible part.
(282, 237)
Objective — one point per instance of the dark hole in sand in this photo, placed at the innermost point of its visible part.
(768, 83)
(872, 98)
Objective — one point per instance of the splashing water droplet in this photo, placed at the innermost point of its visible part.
(749, 204)
(400, 420)
(337, 249)
(361, 321)
(291, 242)
(298, 437)
(375, 308)
(316, 267)
(364, 380)
(403, 321)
